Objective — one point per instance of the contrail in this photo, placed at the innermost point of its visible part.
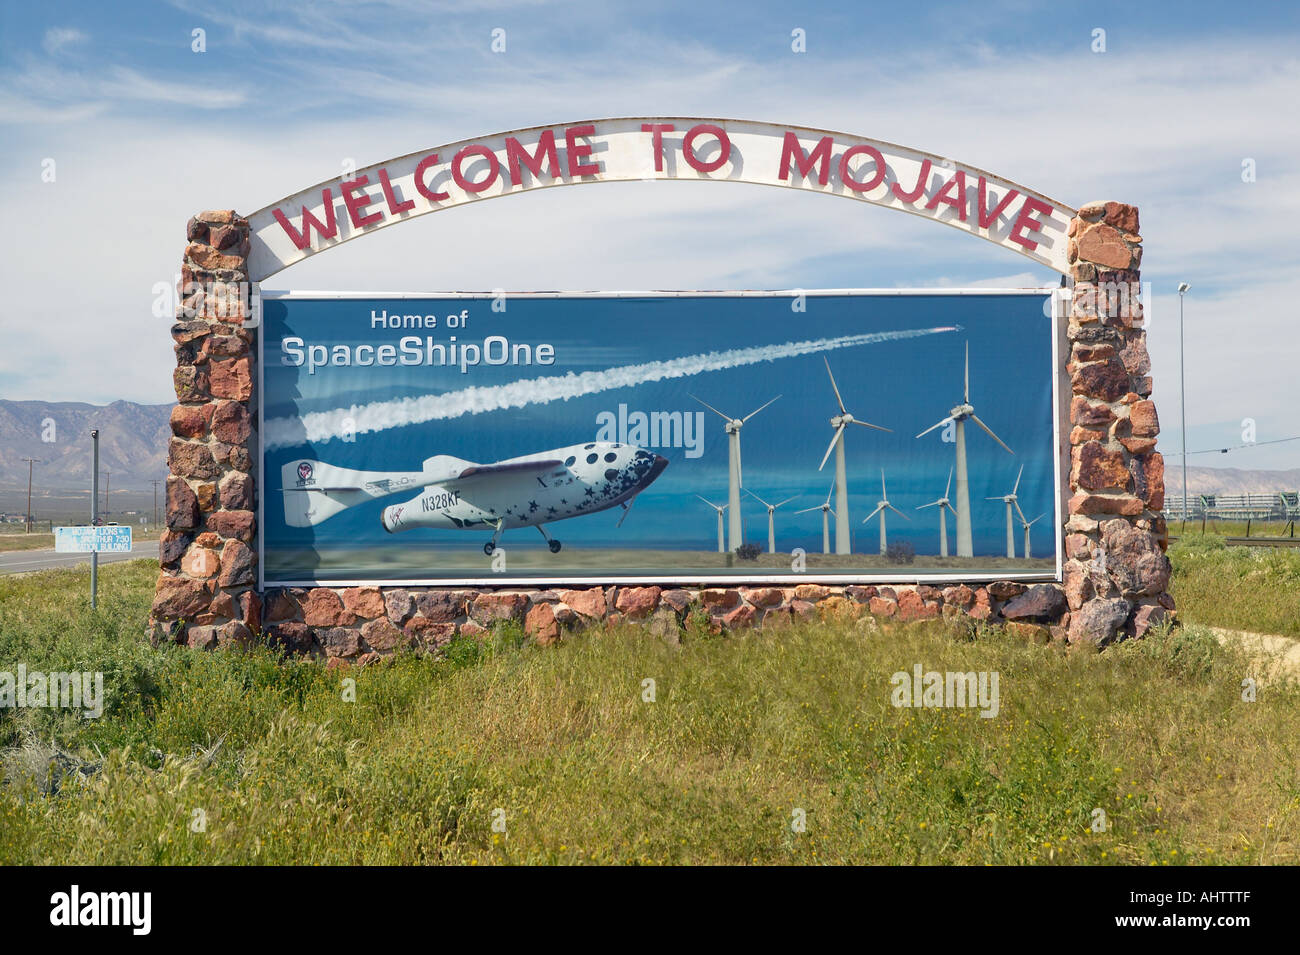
(320, 426)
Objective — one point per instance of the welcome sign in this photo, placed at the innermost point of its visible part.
(647, 149)
(656, 437)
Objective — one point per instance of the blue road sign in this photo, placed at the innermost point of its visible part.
(86, 540)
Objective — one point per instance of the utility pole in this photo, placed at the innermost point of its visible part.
(1182, 389)
(155, 483)
(108, 476)
(30, 462)
(94, 521)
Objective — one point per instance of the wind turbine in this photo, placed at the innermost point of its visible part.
(1011, 502)
(958, 416)
(735, 478)
(841, 481)
(881, 506)
(826, 524)
(771, 524)
(942, 503)
(1027, 525)
(722, 547)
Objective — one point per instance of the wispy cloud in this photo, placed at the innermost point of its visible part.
(57, 39)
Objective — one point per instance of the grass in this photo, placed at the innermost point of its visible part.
(1242, 588)
(560, 744)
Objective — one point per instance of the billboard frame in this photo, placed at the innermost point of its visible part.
(1059, 298)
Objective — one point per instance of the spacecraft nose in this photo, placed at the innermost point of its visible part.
(656, 468)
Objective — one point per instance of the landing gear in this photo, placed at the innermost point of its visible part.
(491, 545)
(551, 542)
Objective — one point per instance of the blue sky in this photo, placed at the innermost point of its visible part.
(144, 132)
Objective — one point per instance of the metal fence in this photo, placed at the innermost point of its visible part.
(1273, 506)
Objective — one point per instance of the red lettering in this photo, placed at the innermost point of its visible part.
(517, 155)
(920, 184)
(988, 218)
(821, 153)
(688, 147)
(846, 175)
(575, 151)
(658, 129)
(420, 187)
(1025, 223)
(494, 168)
(395, 207)
(958, 201)
(327, 231)
(356, 203)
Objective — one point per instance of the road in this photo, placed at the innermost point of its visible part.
(23, 561)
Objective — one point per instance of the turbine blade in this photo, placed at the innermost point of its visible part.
(967, 391)
(884, 495)
(867, 424)
(933, 426)
(830, 492)
(706, 500)
(1018, 477)
(873, 513)
(924, 506)
(948, 486)
(786, 501)
(989, 430)
(1036, 520)
(831, 447)
(756, 411)
(817, 507)
(711, 408)
(755, 497)
(898, 512)
(1016, 505)
(843, 410)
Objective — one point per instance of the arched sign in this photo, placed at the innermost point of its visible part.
(643, 149)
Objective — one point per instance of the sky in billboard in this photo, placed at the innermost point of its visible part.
(580, 370)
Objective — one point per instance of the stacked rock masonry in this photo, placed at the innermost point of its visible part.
(1115, 578)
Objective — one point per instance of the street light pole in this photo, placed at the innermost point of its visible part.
(30, 462)
(1182, 389)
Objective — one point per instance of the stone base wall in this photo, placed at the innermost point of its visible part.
(1115, 577)
(360, 624)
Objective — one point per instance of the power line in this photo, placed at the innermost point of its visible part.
(1238, 447)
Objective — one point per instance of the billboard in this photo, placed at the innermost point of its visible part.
(659, 437)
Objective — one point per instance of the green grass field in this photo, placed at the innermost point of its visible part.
(561, 745)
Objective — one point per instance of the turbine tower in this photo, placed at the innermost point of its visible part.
(1011, 502)
(1027, 525)
(735, 479)
(841, 481)
(771, 524)
(942, 503)
(722, 546)
(825, 508)
(958, 416)
(881, 506)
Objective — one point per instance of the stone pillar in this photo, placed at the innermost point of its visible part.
(206, 589)
(1116, 574)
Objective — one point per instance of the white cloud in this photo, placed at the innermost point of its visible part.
(57, 39)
